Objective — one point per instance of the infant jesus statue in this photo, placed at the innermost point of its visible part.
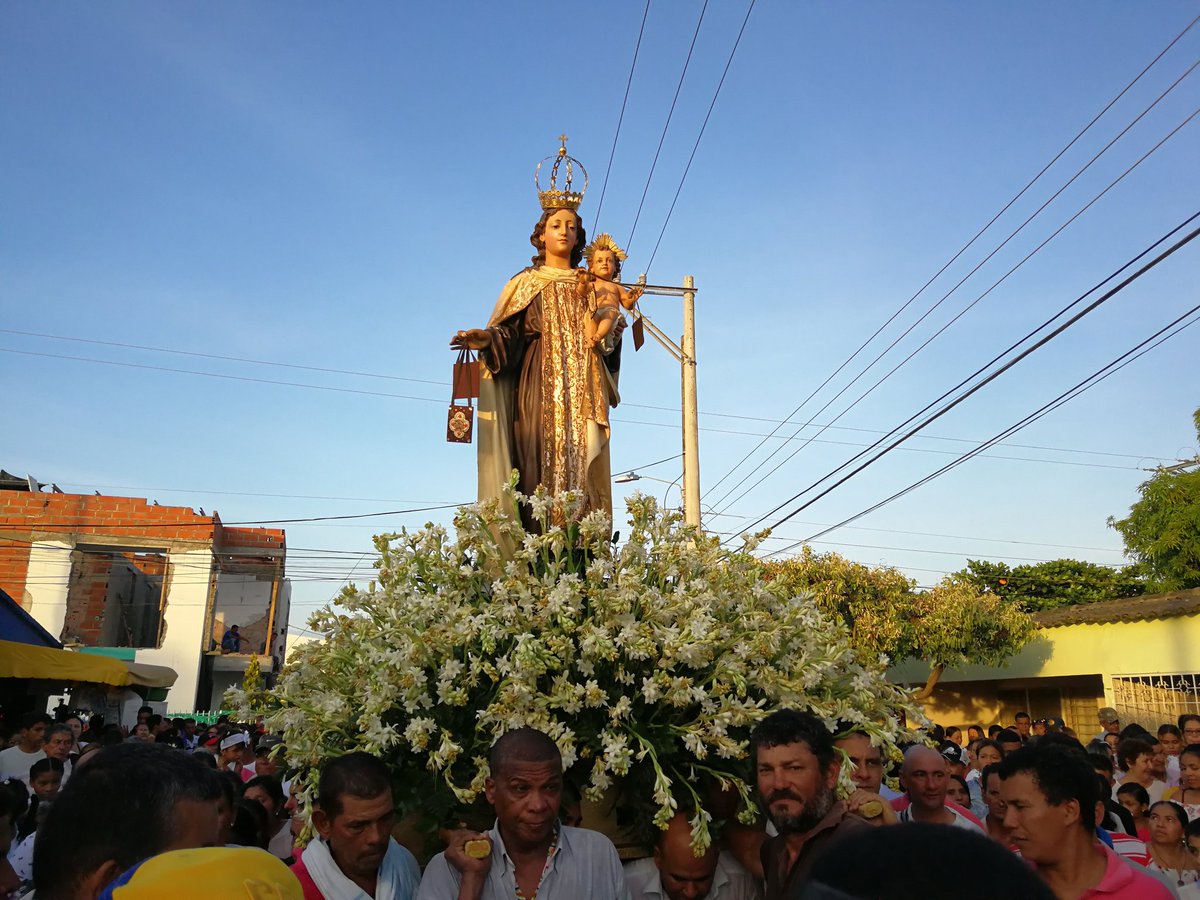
(604, 259)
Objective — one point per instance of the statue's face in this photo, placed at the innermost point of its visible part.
(562, 231)
(604, 264)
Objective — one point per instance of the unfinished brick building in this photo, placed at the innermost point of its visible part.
(147, 583)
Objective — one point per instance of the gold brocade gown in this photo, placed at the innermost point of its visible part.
(549, 391)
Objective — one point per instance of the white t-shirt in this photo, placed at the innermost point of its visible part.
(960, 821)
(730, 881)
(20, 857)
(15, 763)
(1156, 790)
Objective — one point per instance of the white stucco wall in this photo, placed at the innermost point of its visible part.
(46, 583)
(245, 601)
(184, 624)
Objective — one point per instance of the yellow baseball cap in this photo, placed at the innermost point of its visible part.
(237, 873)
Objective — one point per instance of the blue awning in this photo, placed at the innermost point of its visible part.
(20, 627)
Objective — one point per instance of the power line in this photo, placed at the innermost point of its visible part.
(431, 400)
(706, 413)
(127, 365)
(696, 146)
(965, 554)
(991, 377)
(906, 449)
(969, 306)
(41, 526)
(168, 490)
(241, 359)
(928, 437)
(666, 125)
(962, 250)
(955, 537)
(621, 117)
(1095, 378)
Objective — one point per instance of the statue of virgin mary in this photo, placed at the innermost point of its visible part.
(545, 388)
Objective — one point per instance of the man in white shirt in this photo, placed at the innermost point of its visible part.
(16, 760)
(676, 873)
(528, 853)
(925, 779)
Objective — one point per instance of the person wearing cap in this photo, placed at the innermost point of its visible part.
(1110, 722)
(266, 758)
(207, 872)
(958, 763)
(925, 777)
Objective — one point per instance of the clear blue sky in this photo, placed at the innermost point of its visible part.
(342, 186)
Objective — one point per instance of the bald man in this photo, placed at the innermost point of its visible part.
(676, 873)
(925, 777)
(528, 853)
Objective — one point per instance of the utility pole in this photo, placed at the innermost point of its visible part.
(685, 353)
(690, 408)
(1180, 466)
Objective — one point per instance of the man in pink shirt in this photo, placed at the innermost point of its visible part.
(1050, 796)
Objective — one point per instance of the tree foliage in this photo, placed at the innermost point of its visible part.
(1162, 530)
(1059, 582)
(951, 625)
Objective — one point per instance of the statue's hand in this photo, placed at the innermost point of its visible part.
(471, 339)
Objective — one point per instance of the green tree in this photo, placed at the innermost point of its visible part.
(1162, 530)
(1058, 582)
(951, 625)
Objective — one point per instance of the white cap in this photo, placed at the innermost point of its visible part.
(233, 740)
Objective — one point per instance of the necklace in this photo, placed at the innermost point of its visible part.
(1174, 871)
(550, 852)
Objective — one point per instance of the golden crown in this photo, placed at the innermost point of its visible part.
(552, 197)
(604, 242)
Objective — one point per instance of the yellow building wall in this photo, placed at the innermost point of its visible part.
(1051, 672)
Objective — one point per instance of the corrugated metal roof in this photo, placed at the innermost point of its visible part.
(1128, 609)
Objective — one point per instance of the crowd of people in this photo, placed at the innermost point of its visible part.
(172, 808)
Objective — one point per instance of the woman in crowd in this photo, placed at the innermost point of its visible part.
(250, 824)
(958, 791)
(1187, 794)
(1189, 727)
(1168, 853)
(76, 725)
(1135, 758)
(269, 792)
(1135, 799)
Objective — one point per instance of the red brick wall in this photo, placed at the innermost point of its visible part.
(83, 518)
(84, 619)
(124, 517)
(14, 563)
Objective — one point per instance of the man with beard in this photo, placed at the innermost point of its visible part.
(797, 769)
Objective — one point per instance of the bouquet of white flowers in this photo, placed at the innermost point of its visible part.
(647, 662)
